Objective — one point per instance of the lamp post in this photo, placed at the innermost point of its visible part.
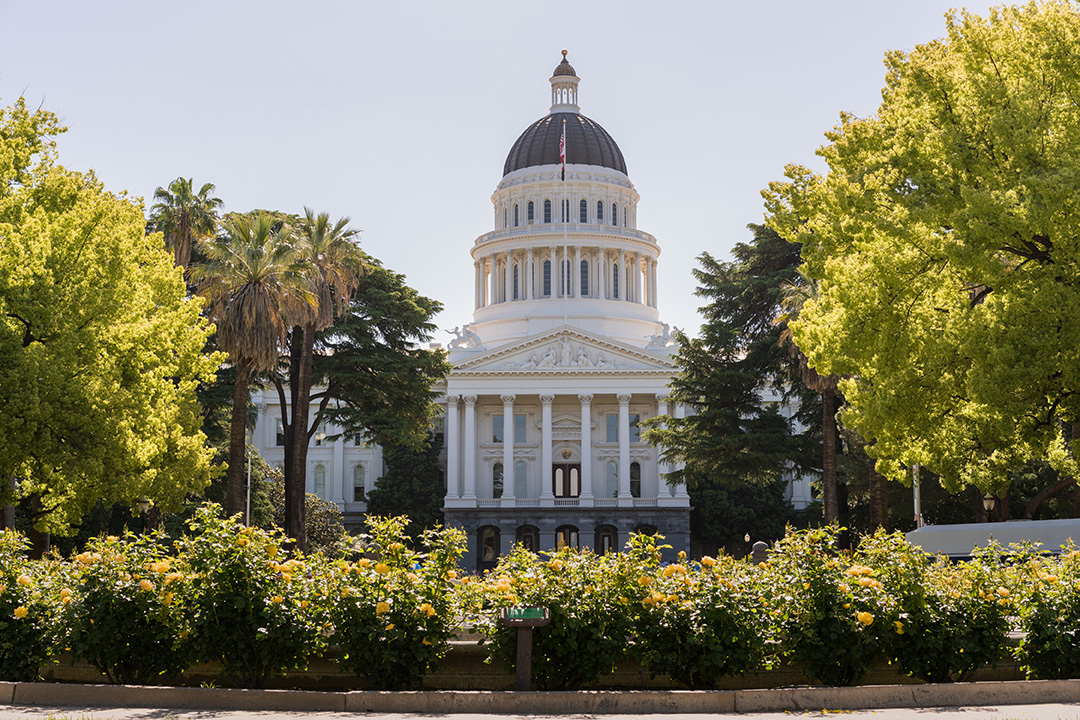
(988, 505)
(144, 507)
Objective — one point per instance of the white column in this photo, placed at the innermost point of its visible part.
(530, 273)
(337, 491)
(662, 488)
(508, 448)
(546, 495)
(637, 278)
(470, 448)
(477, 285)
(601, 274)
(653, 284)
(508, 278)
(624, 450)
(554, 272)
(453, 446)
(575, 272)
(680, 489)
(586, 446)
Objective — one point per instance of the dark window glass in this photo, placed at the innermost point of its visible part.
(516, 217)
(614, 214)
(531, 213)
(547, 278)
(547, 211)
(584, 278)
(599, 211)
(635, 479)
(583, 215)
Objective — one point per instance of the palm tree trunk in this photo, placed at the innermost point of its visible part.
(303, 340)
(234, 489)
(828, 460)
(879, 500)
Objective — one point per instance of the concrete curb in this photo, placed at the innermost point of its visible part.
(596, 702)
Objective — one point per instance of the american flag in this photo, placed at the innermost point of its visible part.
(562, 152)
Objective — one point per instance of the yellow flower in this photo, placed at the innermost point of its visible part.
(24, 580)
(303, 604)
(427, 642)
(20, 612)
(286, 577)
(382, 607)
(644, 580)
(899, 627)
(412, 577)
(708, 561)
(272, 550)
(555, 564)
(843, 587)
(241, 541)
(276, 599)
(1003, 592)
(166, 598)
(682, 554)
(382, 568)
(364, 563)
(173, 577)
(390, 626)
(160, 567)
(146, 585)
(65, 593)
(451, 574)
(864, 617)
(426, 608)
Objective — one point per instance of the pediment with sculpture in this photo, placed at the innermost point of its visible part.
(567, 351)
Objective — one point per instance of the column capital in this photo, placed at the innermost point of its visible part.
(453, 399)
(547, 399)
(662, 398)
(623, 399)
(585, 399)
(469, 399)
(508, 399)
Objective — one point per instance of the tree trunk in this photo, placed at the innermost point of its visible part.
(7, 512)
(828, 460)
(879, 500)
(301, 355)
(40, 541)
(234, 489)
(1029, 511)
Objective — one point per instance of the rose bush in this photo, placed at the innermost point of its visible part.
(30, 625)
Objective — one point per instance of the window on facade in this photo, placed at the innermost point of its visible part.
(547, 278)
(517, 217)
(583, 212)
(320, 436)
(566, 536)
(517, 293)
(614, 214)
(611, 481)
(358, 476)
(566, 480)
(498, 432)
(497, 480)
(635, 428)
(438, 426)
(547, 211)
(564, 216)
(279, 433)
(488, 540)
(606, 539)
(635, 479)
(612, 428)
(528, 537)
(521, 479)
(584, 278)
(320, 481)
(645, 530)
(531, 214)
(497, 428)
(564, 283)
(599, 211)
(519, 428)
(615, 281)
(505, 214)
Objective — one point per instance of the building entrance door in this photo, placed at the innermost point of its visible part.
(566, 480)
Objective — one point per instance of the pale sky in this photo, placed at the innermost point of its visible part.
(400, 114)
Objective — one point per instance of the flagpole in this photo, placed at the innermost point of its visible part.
(565, 212)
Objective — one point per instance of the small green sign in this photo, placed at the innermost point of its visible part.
(522, 612)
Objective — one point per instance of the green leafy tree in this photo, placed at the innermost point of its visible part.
(412, 486)
(184, 216)
(257, 285)
(941, 236)
(100, 350)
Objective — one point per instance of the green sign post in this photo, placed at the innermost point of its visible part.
(524, 618)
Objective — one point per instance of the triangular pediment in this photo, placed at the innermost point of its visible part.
(566, 350)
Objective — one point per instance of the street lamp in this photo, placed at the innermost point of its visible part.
(144, 507)
(988, 505)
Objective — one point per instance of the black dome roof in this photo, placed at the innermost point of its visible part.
(587, 144)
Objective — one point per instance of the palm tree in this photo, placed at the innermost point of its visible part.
(257, 285)
(184, 216)
(335, 266)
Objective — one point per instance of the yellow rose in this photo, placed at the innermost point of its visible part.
(390, 626)
(382, 568)
(644, 580)
(277, 599)
(241, 541)
(899, 627)
(272, 551)
(708, 561)
(1003, 592)
(65, 593)
(555, 564)
(382, 607)
(20, 612)
(427, 642)
(24, 580)
(865, 618)
(682, 554)
(451, 574)
(146, 585)
(426, 608)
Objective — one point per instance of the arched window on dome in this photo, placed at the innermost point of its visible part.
(564, 281)
(615, 281)
(517, 292)
(599, 211)
(517, 216)
(583, 213)
(547, 278)
(614, 214)
(547, 211)
(584, 278)
(565, 215)
(531, 213)
(506, 217)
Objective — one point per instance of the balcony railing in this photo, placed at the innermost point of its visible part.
(571, 229)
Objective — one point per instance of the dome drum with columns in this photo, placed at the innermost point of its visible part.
(565, 355)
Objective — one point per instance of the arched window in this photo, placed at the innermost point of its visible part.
(599, 211)
(615, 281)
(635, 479)
(517, 217)
(583, 213)
(531, 212)
(506, 214)
(487, 547)
(521, 477)
(547, 211)
(320, 481)
(566, 536)
(584, 278)
(611, 481)
(497, 480)
(517, 293)
(358, 477)
(614, 214)
(564, 216)
(645, 530)
(547, 278)
(528, 537)
(564, 283)
(607, 539)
